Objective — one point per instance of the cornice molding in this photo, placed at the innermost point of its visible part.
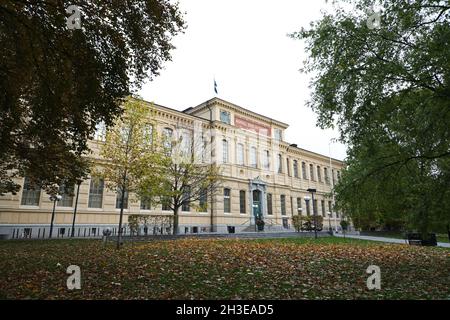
(238, 109)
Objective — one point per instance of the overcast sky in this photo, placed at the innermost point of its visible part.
(244, 45)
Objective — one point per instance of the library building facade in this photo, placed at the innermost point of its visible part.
(262, 176)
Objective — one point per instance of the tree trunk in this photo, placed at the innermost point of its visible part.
(119, 236)
(175, 221)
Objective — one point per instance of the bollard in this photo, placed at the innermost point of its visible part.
(106, 234)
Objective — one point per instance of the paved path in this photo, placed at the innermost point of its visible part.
(239, 235)
(384, 239)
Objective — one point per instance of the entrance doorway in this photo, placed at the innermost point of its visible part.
(257, 212)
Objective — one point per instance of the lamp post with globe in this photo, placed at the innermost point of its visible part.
(329, 223)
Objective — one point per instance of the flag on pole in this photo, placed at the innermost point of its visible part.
(215, 86)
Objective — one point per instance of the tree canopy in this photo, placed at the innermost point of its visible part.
(182, 173)
(387, 88)
(127, 154)
(57, 83)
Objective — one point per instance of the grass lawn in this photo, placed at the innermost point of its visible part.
(291, 268)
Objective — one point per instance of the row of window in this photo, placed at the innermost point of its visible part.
(31, 195)
(325, 206)
(313, 175)
(100, 133)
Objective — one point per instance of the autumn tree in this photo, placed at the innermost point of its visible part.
(183, 173)
(58, 81)
(127, 153)
(386, 85)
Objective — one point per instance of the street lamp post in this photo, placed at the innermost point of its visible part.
(329, 223)
(312, 190)
(75, 209)
(53, 198)
(332, 184)
(307, 199)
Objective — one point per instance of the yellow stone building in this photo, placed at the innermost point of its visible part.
(261, 173)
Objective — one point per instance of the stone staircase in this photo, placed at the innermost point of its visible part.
(267, 228)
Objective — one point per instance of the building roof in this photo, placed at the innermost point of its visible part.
(231, 105)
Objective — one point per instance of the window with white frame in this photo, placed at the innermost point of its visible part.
(66, 193)
(278, 134)
(224, 151)
(253, 157)
(186, 143)
(31, 193)
(125, 134)
(167, 139)
(203, 200)
(96, 193)
(186, 199)
(322, 204)
(304, 170)
(148, 134)
(166, 202)
(240, 154)
(225, 117)
(299, 205)
(295, 168)
(146, 203)
(283, 204)
(242, 202)
(269, 204)
(100, 131)
(266, 159)
(119, 199)
(279, 164)
(226, 200)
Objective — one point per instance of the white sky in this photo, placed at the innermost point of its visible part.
(244, 45)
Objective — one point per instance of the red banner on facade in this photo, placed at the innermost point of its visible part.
(251, 126)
